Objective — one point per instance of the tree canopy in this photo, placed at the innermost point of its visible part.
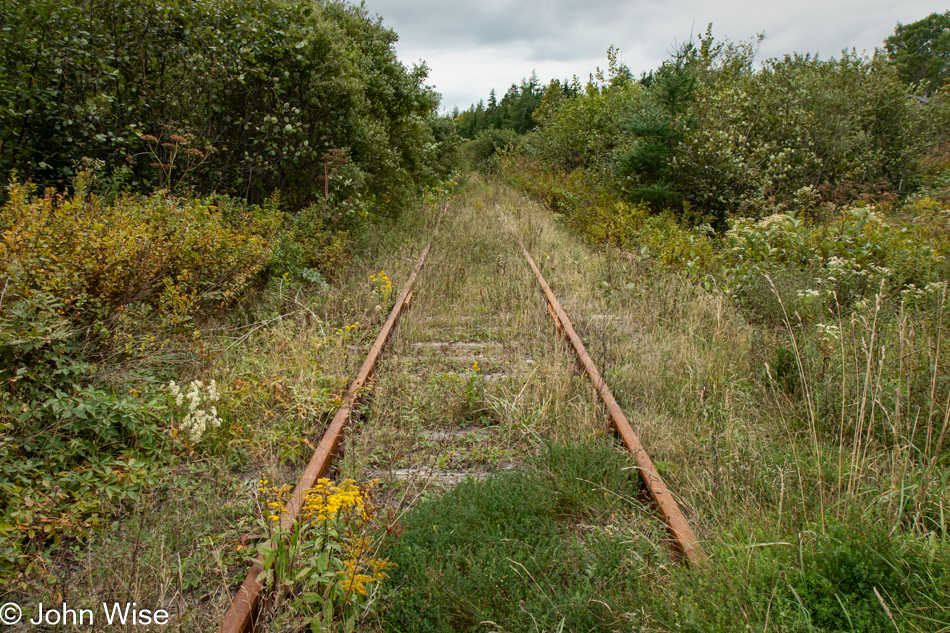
(921, 50)
(254, 94)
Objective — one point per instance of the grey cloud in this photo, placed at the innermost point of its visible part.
(497, 42)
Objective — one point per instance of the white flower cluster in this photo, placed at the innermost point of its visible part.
(845, 270)
(911, 293)
(867, 214)
(198, 419)
(776, 221)
(808, 294)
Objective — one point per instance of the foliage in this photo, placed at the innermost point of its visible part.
(308, 249)
(845, 575)
(847, 295)
(847, 259)
(327, 559)
(844, 127)
(448, 154)
(513, 112)
(271, 86)
(586, 130)
(105, 261)
(658, 127)
(88, 286)
(710, 136)
(487, 144)
(68, 450)
(921, 50)
(604, 218)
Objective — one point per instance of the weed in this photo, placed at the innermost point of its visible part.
(326, 561)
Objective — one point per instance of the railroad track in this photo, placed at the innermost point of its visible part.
(246, 602)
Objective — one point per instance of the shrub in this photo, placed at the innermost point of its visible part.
(752, 138)
(839, 262)
(585, 130)
(487, 144)
(272, 86)
(83, 284)
(68, 450)
(174, 255)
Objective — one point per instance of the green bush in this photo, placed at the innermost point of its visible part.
(584, 130)
(487, 144)
(228, 96)
(710, 136)
(68, 450)
(85, 286)
(844, 126)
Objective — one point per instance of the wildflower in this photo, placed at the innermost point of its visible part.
(779, 220)
(829, 332)
(325, 500)
(836, 263)
(197, 420)
(379, 567)
(936, 287)
(175, 391)
(353, 581)
(384, 286)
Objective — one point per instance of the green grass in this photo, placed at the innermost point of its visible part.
(564, 545)
(533, 549)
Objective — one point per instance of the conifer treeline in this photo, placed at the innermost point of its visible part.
(516, 109)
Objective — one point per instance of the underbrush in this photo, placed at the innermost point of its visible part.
(584, 202)
(101, 305)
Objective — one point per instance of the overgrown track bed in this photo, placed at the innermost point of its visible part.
(473, 384)
(244, 605)
(684, 540)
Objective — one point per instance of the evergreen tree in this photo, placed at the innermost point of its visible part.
(516, 109)
(658, 129)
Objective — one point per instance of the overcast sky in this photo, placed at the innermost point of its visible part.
(474, 46)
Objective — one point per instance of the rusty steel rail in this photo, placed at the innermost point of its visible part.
(684, 539)
(245, 603)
